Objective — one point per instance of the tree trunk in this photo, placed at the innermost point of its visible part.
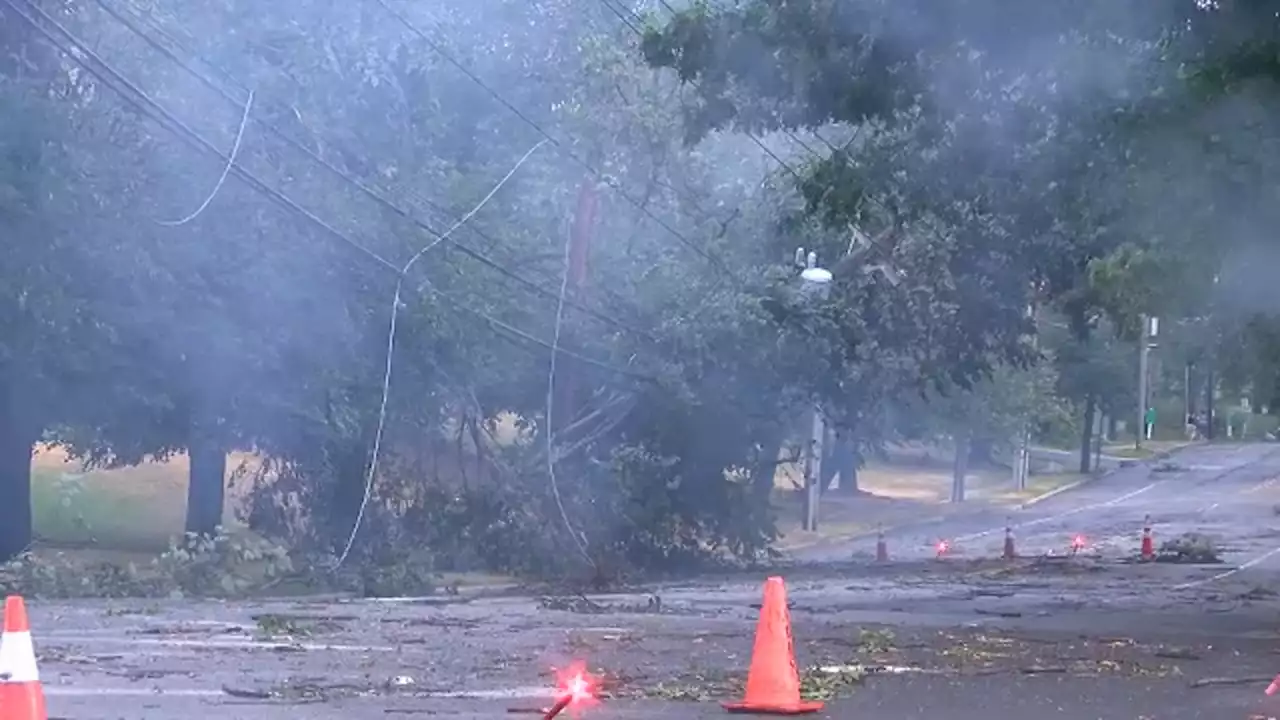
(350, 462)
(842, 460)
(18, 435)
(207, 471)
(982, 451)
(15, 490)
(766, 467)
(206, 485)
(1086, 435)
(960, 468)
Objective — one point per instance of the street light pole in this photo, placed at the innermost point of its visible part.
(813, 471)
(815, 281)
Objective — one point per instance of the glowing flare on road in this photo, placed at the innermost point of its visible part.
(575, 687)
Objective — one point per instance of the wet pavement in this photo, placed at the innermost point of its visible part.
(968, 636)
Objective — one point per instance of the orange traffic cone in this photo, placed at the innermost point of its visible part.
(1148, 550)
(773, 683)
(21, 696)
(1010, 553)
(882, 549)
(1274, 686)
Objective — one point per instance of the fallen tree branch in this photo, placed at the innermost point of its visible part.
(1226, 681)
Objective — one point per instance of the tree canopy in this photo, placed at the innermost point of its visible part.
(513, 281)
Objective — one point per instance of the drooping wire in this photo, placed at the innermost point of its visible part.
(702, 252)
(81, 54)
(104, 73)
(363, 188)
(226, 170)
(371, 474)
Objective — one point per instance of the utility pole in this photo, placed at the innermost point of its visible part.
(1022, 458)
(1150, 328)
(1209, 401)
(1098, 440)
(1022, 453)
(1211, 362)
(1186, 392)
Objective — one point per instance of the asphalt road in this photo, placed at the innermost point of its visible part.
(968, 636)
(1227, 491)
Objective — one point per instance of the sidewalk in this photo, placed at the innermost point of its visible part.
(1150, 448)
(891, 497)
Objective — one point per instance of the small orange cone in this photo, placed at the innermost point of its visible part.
(1010, 553)
(1148, 551)
(21, 696)
(882, 549)
(773, 683)
(1274, 686)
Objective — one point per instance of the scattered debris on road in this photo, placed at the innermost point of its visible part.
(1189, 548)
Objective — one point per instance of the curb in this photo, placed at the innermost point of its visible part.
(1061, 489)
(839, 539)
(1123, 465)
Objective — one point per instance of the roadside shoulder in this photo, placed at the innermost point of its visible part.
(1125, 464)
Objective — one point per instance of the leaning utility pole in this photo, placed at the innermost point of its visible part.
(567, 368)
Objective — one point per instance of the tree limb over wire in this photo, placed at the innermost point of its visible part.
(391, 348)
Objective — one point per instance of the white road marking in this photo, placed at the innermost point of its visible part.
(515, 693)
(207, 644)
(1059, 516)
(1228, 573)
(60, 691)
(1262, 485)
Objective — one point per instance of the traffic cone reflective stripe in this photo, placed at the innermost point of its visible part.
(21, 696)
(773, 683)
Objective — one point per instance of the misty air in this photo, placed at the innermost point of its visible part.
(628, 359)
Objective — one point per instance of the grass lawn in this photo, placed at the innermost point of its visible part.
(135, 509)
(130, 514)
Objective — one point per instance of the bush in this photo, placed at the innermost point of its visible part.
(221, 566)
(622, 508)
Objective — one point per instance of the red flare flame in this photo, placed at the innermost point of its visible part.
(1078, 542)
(575, 683)
(943, 546)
